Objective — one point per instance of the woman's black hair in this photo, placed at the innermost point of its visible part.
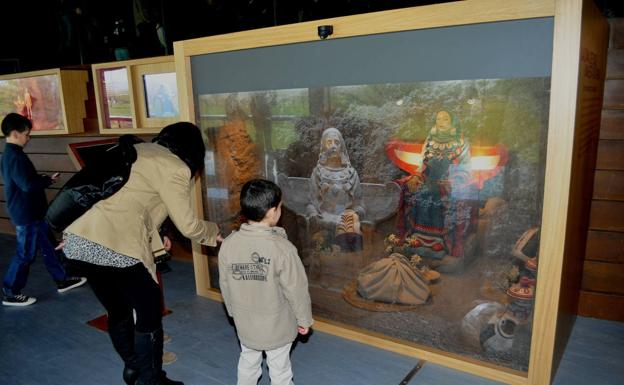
(184, 140)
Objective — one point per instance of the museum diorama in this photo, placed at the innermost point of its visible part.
(54, 100)
(136, 96)
(425, 159)
(405, 201)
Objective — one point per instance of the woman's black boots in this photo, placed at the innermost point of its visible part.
(148, 348)
(121, 333)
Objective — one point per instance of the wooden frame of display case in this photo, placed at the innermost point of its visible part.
(136, 69)
(72, 88)
(578, 67)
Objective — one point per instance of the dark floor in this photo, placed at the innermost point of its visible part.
(50, 343)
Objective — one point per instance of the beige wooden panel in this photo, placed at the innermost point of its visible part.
(603, 277)
(579, 64)
(607, 246)
(600, 305)
(74, 92)
(52, 71)
(607, 216)
(609, 185)
(185, 86)
(612, 124)
(431, 16)
(133, 62)
(610, 155)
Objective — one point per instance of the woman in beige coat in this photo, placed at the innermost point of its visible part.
(113, 244)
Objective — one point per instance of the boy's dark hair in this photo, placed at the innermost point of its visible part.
(15, 122)
(257, 197)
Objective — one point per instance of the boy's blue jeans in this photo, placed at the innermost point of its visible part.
(31, 237)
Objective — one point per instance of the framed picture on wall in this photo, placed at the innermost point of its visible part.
(136, 96)
(53, 100)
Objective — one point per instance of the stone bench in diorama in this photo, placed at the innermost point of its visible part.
(336, 247)
(380, 202)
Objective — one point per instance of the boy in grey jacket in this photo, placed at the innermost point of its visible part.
(264, 286)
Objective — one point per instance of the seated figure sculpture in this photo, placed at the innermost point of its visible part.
(335, 200)
(439, 207)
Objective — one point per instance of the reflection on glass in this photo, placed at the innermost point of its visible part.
(415, 207)
(37, 98)
(116, 97)
(161, 94)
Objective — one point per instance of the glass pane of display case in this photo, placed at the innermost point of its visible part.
(412, 179)
(161, 94)
(414, 207)
(37, 98)
(115, 96)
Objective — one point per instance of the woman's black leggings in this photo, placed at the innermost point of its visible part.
(121, 290)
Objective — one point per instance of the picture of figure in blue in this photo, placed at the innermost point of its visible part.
(161, 94)
(163, 106)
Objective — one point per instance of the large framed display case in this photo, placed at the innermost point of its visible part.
(54, 99)
(435, 164)
(136, 96)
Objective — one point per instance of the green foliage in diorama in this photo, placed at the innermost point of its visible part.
(278, 109)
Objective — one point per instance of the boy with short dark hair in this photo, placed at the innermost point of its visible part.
(26, 203)
(264, 286)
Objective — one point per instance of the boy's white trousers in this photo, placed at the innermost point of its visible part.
(278, 361)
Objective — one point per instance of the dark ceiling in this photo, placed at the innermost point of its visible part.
(47, 34)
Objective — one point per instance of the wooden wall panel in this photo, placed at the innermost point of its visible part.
(607, 216)
(603, 277)
(606, 246)
(615, 64)
(49, 155)
(614, 94)
(63, 178)
(6, 227)
(50, 163)
(602, 293)
(610, 155)
(50, 194)
(600, 305)
(58, 145)
(609, 185)
(612, 124)
(617, 33)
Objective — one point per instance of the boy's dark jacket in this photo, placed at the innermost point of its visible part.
(99, 179)
(24, 188)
